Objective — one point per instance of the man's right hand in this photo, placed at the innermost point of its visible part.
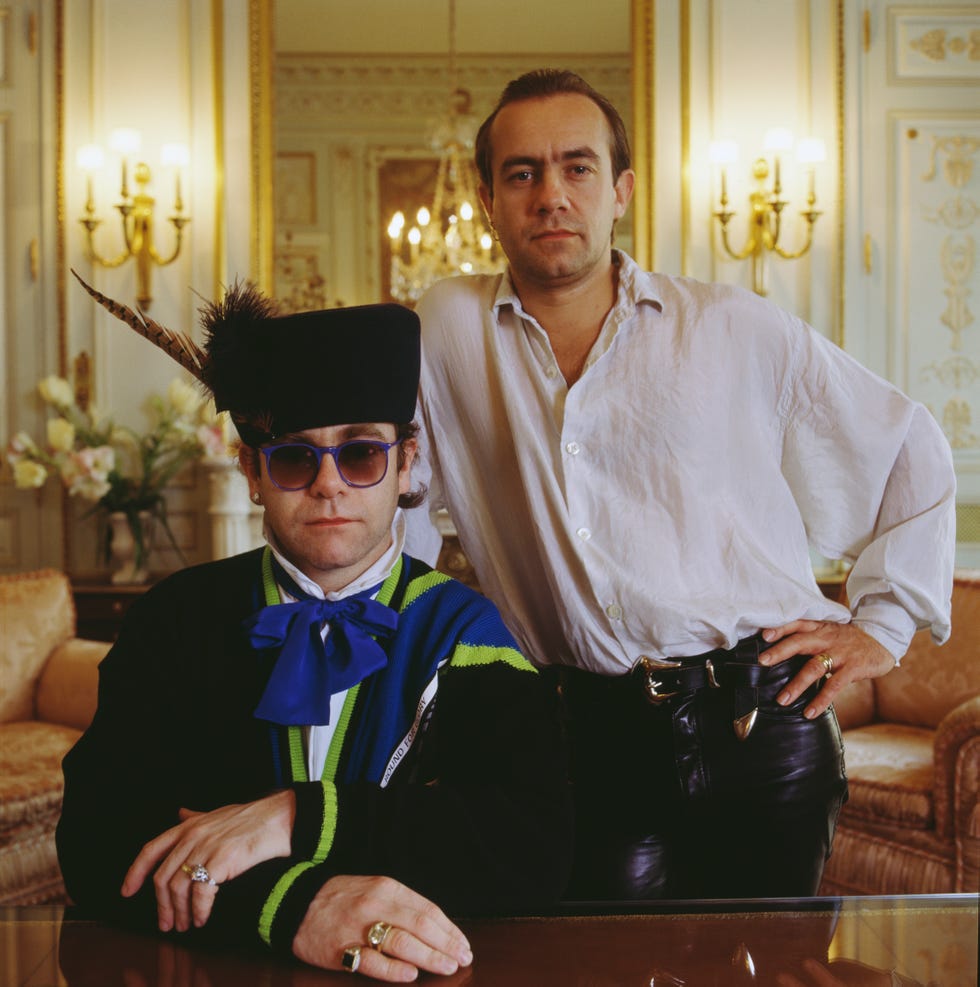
(346, 907)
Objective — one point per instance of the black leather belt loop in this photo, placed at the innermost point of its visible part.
(737, 670)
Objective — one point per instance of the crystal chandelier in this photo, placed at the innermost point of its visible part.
(450, 237)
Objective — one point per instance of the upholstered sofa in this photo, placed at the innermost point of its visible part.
(48, 686)
(912, 753)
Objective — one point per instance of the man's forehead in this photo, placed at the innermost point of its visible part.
(555, 125)
(343, 432)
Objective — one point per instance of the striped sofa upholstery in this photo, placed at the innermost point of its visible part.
(48, 684)
(912, 753)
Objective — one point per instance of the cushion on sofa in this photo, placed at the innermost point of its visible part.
(67, 691)
(855, 705)
(931, 681)
(37, 613)
(890, 774)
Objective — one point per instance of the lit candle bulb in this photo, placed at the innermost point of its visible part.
(723, 153)
(395, 228)
(811, 151)
(125, 142)
(178, 156)
(90, 159)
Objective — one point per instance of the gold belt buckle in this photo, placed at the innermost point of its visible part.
(651, 666)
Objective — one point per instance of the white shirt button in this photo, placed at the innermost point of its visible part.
(614, 612)
(584, 534)
(573, 448)
(552, 372)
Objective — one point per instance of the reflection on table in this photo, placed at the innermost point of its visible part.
(853, 942)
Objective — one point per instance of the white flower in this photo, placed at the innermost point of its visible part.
(86, 472)
(184, 398)
(61, 434)
(212, 441)
(20, 445)
(29, 474)
(57, 391)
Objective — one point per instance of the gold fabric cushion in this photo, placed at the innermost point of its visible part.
(933, 680)
(890, 774)
(37, 613)
(855, 706)
(68, 689)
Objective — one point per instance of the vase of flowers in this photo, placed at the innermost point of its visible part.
(122, 471)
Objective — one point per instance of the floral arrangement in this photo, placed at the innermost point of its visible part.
(115, 467)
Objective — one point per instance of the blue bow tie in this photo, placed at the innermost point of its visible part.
(310, 670)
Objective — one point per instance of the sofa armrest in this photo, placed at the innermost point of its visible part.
(968, 855)
(956, 767)
(67, 691)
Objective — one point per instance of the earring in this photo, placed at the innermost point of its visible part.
(256, 497)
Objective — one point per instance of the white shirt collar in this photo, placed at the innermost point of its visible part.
(377, 573)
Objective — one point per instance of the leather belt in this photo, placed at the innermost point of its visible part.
(737, 670)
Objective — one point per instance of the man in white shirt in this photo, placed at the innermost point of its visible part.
(637, 466)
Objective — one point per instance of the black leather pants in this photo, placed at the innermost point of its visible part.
(671, 804)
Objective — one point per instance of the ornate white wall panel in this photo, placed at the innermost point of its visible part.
(941, 45)
(30, 325)
(937, 211)
(913, 272)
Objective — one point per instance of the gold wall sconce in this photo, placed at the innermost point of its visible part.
(766, 202)
(135, 207)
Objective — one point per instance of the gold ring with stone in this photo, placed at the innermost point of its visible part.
(377, 935)
(198, 874)
(827, 662)
(351, 959)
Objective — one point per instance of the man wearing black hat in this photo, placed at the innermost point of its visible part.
(340, 740)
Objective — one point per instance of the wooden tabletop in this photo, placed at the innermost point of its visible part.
(871, 942)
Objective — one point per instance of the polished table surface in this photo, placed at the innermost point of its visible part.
(830, 942)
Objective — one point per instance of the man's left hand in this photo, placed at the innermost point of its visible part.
(225, 841)
(854, 654)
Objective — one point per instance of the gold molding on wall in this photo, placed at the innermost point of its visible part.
(839, 334)
(61, 242)
(260, 24)
(218, 115)
(643, 35)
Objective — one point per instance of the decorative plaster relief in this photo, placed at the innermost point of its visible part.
(373, 88)
(300, 284)
(955, 372)
(936, 209)
(957, 259)
(296, 189)
(926, 44)
(957, 255)
(957, 419)
(957, 154)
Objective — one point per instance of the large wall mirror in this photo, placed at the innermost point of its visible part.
(359, 91)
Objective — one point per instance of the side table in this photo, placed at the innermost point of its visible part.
(101, 606)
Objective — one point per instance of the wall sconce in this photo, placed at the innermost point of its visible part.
(135, 209)
(767, 204)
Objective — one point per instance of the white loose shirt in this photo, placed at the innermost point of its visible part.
(664, 504)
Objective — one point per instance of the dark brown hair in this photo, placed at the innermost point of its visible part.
(552, 82)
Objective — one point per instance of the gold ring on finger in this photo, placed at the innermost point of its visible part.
(351, 959)
(198, 874)
(377, 935)
(827, 662)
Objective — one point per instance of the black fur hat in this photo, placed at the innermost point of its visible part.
(282, 374)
